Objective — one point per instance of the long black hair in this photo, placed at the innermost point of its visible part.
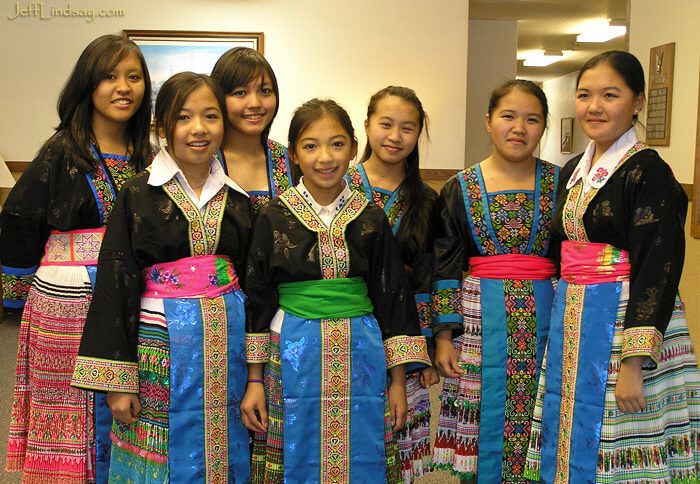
(75, 107)
(236, 67)
(416, 193)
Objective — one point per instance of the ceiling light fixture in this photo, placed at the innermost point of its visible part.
(542, 59)
(603, 32)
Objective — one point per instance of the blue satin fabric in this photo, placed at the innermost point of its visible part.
(300, 350)
(186, 451)
(597, 326)
(493, 368)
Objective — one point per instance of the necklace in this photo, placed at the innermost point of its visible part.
(200, 185)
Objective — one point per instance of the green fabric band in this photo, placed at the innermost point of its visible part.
(325, 298)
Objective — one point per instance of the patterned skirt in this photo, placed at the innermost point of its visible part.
(660, 444)
(413, 441)
(192, 373)
(52, 435)
(329, 422)
(485, 433)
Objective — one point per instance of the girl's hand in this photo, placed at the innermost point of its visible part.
(125, 407)
(445, 355)
(254, 407)
(629, 391)
(398, 406)
(429, 377)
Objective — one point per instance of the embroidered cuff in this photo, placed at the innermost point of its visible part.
(106, 375)
(642, 341)
(257, 347)
(15, 285)
(445, 302)
(406, 349)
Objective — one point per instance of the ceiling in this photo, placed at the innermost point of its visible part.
(554, 25)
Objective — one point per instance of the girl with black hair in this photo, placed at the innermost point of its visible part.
(52, 227)
(619, 396)
(491, 326)
(258, 164)
(165, 333)
(330, 314)
(389, 176)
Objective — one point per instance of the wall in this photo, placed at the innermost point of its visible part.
(560, 98)
(492, 61)
(654, 23)
(328, 49)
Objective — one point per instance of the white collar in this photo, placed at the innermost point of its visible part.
(164, 168)
(326, 212)
(605, 165)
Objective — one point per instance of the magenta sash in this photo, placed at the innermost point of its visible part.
(512, 266)
(74, 248)
(593, 263)
(191, 277)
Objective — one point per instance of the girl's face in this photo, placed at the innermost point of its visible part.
(605, 105)
(323, 152)
(118, 96)
(199, 129)
(516, 125)
(393, 129)
(250, 108)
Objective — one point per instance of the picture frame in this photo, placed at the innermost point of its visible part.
(566, 140)
(168, 52)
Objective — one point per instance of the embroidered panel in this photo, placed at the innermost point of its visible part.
(333, 251)
(646, 340)
(549, 177)
(476, 211)
(335, 401)
(257, 347)
(521, 367)
(215, 356)
(445, 302)
(106, 375)
(78, 247)
(204, 230)
(424, 311)
(512, 215)
(15, 286)
(278, 168)
(572, 339)
(120, 168)
(406, 349)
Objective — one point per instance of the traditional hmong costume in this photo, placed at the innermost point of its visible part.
(329, 311)
(622, 257)
(413, 440)
(167, 323)
(279, 175)
(52, 228)
(499, 315)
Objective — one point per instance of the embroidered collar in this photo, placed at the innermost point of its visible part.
(164, 169)
(327, 212)
(605, 165)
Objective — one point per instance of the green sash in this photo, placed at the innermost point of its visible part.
(325, 298)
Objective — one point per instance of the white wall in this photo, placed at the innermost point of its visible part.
(493, 46)
(654, 23)
(344, 50)
(560, 98)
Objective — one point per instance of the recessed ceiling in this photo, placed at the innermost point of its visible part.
(554, 25)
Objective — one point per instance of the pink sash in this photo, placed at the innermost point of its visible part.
(512, 266)
(74, 248)
(191, 277)
(593, 263)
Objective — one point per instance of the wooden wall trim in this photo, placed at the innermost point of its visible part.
(688, 188)
(17, 166)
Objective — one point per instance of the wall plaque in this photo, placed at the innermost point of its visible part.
(660, 94)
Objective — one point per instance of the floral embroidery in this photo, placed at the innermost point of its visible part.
(599, 175)
(165, 278)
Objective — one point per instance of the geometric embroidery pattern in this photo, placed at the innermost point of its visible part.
(405, 349)
(572, 337)
(215, 385)
(204, 231)
(106, 375)
(645, 340)
(257, 347)
(79, 247)
(335, 391)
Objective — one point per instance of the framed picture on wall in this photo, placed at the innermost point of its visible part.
(566, 142)
(168, 52)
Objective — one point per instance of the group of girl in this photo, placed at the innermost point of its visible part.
(270, 314)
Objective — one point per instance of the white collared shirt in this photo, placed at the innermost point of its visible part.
(606, 164)
(164, 168)
(328, 212)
